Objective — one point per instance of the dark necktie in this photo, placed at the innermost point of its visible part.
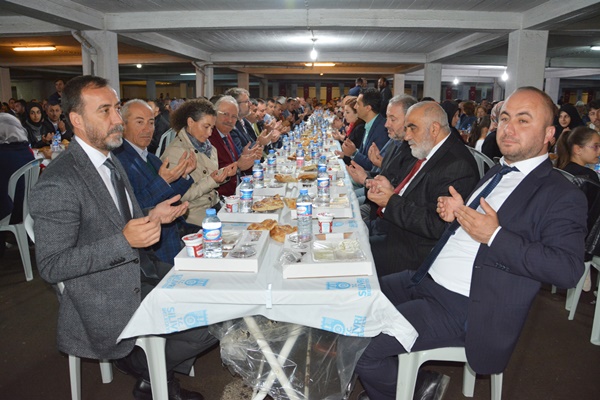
(405, 181)
(451, 229)
(119, 186)
(231, 147)
(151, 167)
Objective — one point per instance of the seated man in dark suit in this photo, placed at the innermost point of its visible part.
(94, 237)
(151, 179)
(524, 224)
(56, 120)
(367, 108)
(408, 225)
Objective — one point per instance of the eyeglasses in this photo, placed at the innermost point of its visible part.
(594, 146)
(226, 115)
(243, 102)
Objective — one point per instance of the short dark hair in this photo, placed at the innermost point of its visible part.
(595, 104)
(371, 97)
(194, 109)
(53, 102)
(71, 100)
(359, 80)
(59, 79)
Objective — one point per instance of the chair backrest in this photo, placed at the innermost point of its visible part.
(28, 222)
(164, 141)
(567, 175)
(30, 173)
(482, 161)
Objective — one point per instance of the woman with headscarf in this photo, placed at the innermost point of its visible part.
(194, 121)
(14, 153)
(568, 118)
(453, 113)
(490, 146)
(37, 132)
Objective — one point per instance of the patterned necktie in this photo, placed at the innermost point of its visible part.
(119, 186)
(231, 147)
(451, 229)
(404, 182)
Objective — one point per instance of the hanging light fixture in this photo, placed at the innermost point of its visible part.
(504, 76)
(455, 81)
(313, 52)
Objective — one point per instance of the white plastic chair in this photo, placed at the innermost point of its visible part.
(165, 140)
(409, 363)
(574, 294)
(30, 173)
(482, 160)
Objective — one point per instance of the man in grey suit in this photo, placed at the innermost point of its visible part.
(92, 236)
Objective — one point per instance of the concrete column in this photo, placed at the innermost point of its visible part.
(209, 87)
(5, 86)
(526, 59)
(263, 89)
(275, 90)
(183, 90)
(150, 89)
(200, 79)
(432, 86)
(553, 88)
(399, 80)
(318, 90)
(498, 91)
(294, 90)
(106, 63)
(243, 80)
(342, 87)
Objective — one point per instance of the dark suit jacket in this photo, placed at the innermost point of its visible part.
(377, 134)
(242, 135)
(542, 240)
(89, 253)
(225, 158)
(150, 189)
(415, 225)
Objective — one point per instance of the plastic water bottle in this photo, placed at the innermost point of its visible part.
(55, 146)
(258, 174)
(211, 235)
(271, 163)
(323, 196)
(322, 162)
(314, 151)
(286, 146)
(304, 211)
(299, 157)
(246, 195)
(597, 168)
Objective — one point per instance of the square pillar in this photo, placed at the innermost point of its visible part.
(432, 87)
(243, 80)
(5, 86)
(102, 58)
(150, 89)
(526, 59)
(209, 87)
(552, 88)
(399, 80)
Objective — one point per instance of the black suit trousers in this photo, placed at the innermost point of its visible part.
(438, 315)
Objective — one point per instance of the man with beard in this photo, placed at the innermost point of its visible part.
(93, 236)
(408, 210)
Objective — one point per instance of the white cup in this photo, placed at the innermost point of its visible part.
(325, 222)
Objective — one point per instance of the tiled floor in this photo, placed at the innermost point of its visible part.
(553, 360)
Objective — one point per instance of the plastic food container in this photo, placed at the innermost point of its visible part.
(232, 204)
(193, 244)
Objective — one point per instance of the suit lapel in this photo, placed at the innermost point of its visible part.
(94, 183)
(429, 165)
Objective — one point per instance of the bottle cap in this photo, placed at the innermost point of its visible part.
(211, 211)
(303, 191)
(271, 151)
(256, 162)
(246, 179)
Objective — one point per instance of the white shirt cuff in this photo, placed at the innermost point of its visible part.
(494, 236)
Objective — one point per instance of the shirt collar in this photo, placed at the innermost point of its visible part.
(369, 124)
(142, 152)
(526, 166)
(96, 156)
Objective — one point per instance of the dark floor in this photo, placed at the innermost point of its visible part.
(553, 360)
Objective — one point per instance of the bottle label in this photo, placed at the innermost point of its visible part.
(323, 183)
(246, 194)
(300, 161)
(212, 235)
(304, 209)
(258, 175)
(271, 161)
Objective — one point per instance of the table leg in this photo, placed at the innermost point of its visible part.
(275, 363)
(154, 347)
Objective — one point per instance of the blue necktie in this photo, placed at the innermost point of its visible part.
(451, 229)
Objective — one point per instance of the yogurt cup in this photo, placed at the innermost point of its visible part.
(325, 222)
(193, 245)
(232, 204)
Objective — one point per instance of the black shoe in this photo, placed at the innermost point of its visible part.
(363, 396)
(143, 391)
(430, 385)
(123, 365)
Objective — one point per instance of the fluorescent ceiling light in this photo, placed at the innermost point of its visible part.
(320, 64)
(189, 74)
(35, 48)
(139, 65)
(596, 48)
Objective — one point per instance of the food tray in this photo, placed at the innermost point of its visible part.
(358, 264)
(225, 216)
(339, 207)
(249, 257)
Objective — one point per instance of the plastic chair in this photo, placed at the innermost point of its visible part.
(165, 140)
(30, 173)
(574, 294)
(482, 161)
(409, 363)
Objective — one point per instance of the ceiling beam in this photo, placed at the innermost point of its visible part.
(317, 19)
(18, 25)
(355, 57)
(571, 72)
(572, 62)
(58, 12)
(167, 44)
(479, 40)
(555, 11)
